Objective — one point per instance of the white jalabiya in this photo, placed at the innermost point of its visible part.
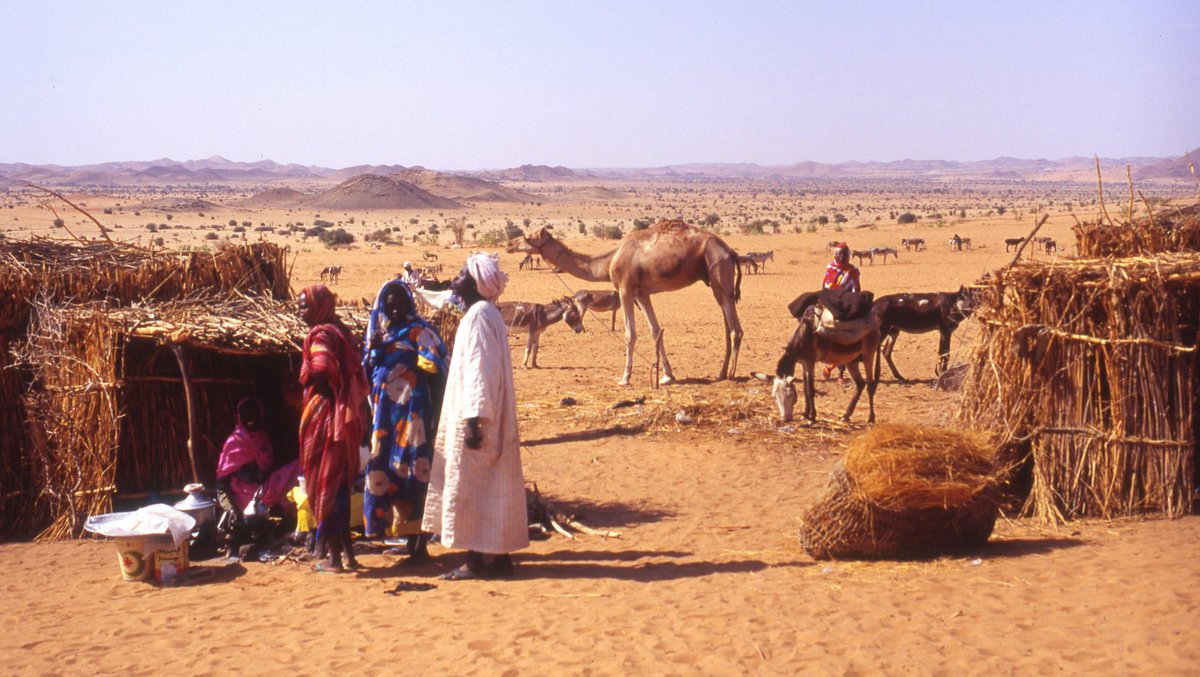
(476, 498)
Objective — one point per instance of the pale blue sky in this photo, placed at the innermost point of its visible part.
(491, 84)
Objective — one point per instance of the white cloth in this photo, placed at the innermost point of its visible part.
(476, 498)
(489, 279)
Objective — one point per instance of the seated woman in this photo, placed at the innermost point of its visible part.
(406, 362)
(244, 468)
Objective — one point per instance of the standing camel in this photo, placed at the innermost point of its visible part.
(667, 256)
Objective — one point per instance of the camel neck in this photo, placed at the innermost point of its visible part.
(590, 268)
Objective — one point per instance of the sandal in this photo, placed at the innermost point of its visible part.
(327, 568)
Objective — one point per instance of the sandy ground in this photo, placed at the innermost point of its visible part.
(707, 576)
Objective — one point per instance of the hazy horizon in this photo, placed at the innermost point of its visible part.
(476, 86)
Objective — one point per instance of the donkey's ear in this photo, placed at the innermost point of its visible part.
(762, 377)
(789, 380)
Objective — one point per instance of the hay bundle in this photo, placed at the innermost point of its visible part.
(1090, 365)
(905, 491)
(446, 321)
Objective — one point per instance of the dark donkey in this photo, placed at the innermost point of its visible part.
(918, 314)
(808, 347)
(536, 318)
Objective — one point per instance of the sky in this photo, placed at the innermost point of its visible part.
(488, 85)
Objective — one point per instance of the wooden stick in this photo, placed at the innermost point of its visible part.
(103, 230)
(1100, 186)
(177, 349)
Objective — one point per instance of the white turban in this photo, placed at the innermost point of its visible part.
(485, 269)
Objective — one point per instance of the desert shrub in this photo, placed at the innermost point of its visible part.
(382, 236)
(491, 237)
(1001, 210)
(512, 230)
(839, 218)
(607, 232)
(642, 223)
(152, 227)
(335, 238)
(59, 223)
(159, 242)
(323, 224)
(108, 210)
(211, 236)
(232, 223)
(710, 220)
(907, 217)
(810, 228)
(239, 229)
(315, 231)
(823, 220)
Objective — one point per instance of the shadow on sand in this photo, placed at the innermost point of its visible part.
(588, 435)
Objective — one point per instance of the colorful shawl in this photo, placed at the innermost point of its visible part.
(331, 426)
(406, 361)
(841, 276)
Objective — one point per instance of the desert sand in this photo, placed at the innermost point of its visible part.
(707, 576)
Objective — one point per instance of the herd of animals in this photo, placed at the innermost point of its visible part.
(672, 255)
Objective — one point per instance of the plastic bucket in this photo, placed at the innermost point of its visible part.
(134, 557)
(169, 559)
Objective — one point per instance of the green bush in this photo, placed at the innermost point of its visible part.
(491, 238)
(907, 217)
(334, 238)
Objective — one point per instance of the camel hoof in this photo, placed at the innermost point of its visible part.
(623, 382)
(666, 380)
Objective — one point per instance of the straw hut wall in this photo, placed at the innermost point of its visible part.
(1171, 229)
(53, 273)
(1090, 367)
(111, 411)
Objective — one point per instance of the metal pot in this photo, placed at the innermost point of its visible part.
(200, 507)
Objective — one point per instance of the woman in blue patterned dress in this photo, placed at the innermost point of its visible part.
(406, 362)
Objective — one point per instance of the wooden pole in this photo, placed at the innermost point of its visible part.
(177, 349)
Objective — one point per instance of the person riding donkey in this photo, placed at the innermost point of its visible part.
(841, 274)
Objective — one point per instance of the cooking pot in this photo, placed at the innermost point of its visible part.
(197, 504)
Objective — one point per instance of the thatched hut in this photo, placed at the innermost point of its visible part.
(137, 400)
(66, 290)
(1087, 370)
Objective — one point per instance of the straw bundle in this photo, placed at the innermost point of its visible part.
(905, 491)
(1090, 364)
(903, 467)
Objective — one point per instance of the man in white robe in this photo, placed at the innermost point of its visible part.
(476, 498)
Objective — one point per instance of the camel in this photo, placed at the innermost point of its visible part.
(667, 256)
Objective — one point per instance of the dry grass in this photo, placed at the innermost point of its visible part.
(907, 467)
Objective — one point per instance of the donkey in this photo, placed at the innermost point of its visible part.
(885, 252)
(864, 254)
(761, 258)
(911, 243)
(598, 301)
(918, 314)
(331, 273)
(747, 263)
(536, 318)
(1012, 242)
(429, 256)
(808, 347)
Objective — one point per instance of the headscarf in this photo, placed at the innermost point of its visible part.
(244, 447)
(411, 329)
(349, 388)
(840, 275)
(485, 269)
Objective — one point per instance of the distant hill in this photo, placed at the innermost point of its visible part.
(275, 198)
(462, 188)
(1174, 168)
(480, 186)
(596, 193)
(531, 173)
(369, 191)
